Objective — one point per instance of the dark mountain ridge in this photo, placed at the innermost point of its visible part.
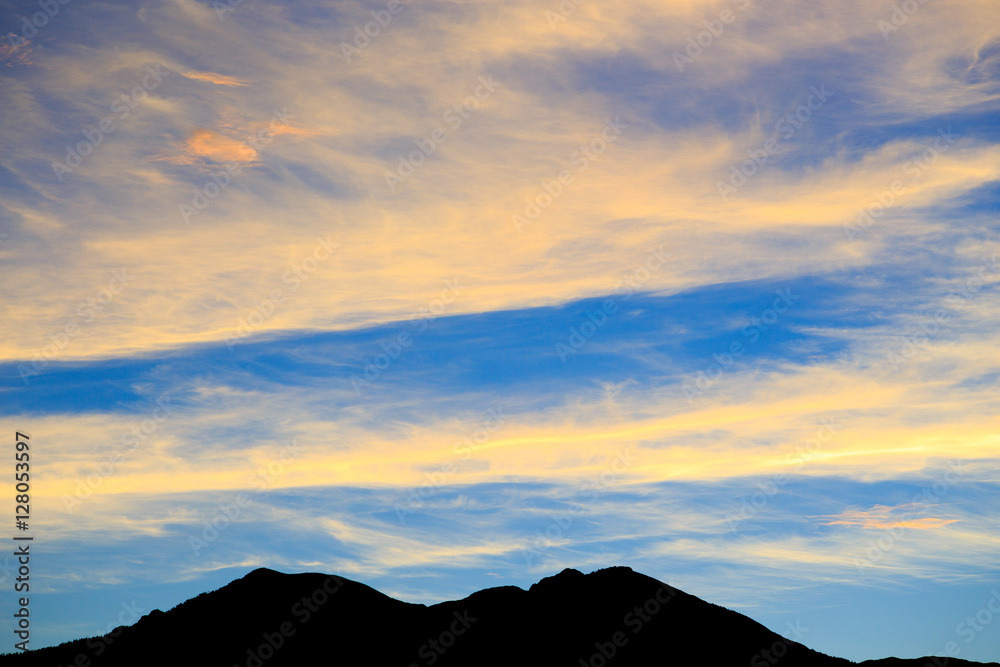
(608, 618)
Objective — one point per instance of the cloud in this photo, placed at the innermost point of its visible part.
(218, 79)
(16, 51)
(883, 517)
(657, 185)
(211, 145)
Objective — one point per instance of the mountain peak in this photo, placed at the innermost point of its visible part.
(568, 573)
(565, 579)
(262, 572)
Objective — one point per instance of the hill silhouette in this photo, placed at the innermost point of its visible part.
(609, 618)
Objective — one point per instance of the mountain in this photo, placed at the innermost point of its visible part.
(609, 618)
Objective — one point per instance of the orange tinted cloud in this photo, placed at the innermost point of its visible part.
(218, 79)
(15, 54)
(220, 148)
(883, 517)
(922, 524)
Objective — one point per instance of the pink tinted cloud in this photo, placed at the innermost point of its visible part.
(212, 145)
(233, 139)
(213, 77)
(15, 53)
(884, 516)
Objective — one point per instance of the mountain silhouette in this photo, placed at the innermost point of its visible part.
(609, 618)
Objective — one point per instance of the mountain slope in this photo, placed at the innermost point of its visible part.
(613, 617)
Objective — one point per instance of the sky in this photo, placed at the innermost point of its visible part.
(439, 296)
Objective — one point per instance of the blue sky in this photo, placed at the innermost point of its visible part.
(506, 287)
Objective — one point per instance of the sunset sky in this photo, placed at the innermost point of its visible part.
(447, 295)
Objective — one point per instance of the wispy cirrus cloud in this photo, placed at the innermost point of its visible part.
(659, 184)
(213, 77)
(890, 344)
(882, 517)
(15, 51)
